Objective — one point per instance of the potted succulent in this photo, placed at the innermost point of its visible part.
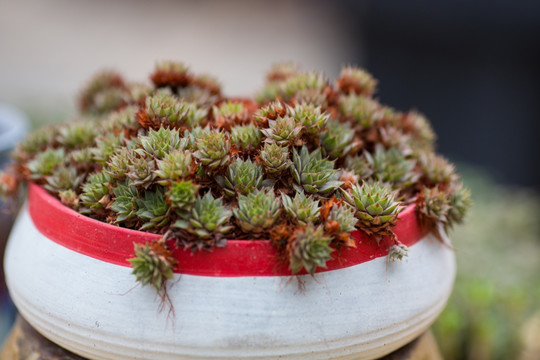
(264, 227)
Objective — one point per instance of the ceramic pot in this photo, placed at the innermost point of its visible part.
(69, 278)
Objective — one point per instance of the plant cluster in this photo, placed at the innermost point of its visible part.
(303, 164)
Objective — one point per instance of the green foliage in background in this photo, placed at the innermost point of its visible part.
(497, 288)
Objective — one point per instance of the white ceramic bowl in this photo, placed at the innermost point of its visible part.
(96, 309)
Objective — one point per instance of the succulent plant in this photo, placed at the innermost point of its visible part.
(376, 207)
(282, 71)
(420, 129)
(195, 116)
(177, 164)
(257, 211)
(153, 264)
(106, 146)
(83, 160)
(63, 178)
(344, 217)
(269, 112)
(302, 209)
(163, 111)
(363, 111)
(398, 251)
(171, 73)
(125, 202)
(436, 169)
(208, 222)
(118, 165)
(309, 249)
(105, 92)
(242, 177)
(95, 193)
(311, 117)
(158, 143)
(69, 198)
(246, 137)
(46, 162)
(213, 149)
(230, 113)
(202, 99)
(338, 140)
(77, 135)
(194, 135)
(283, 131)
(460, 203)
(122, 121)
(356, 81)
(35, 142)
(312, 96)
(433, 207)
(360, 166)
(141, 170)
(392, 166)
(394, 137)
(182, 195)
(153, 209)
(436, 205)
(275, 159)
(207, 82)
(302, 84)
(304, 166)
(314, 174)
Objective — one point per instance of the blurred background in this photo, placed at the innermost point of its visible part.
(471, 67)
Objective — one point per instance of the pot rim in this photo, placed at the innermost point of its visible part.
(114, 244)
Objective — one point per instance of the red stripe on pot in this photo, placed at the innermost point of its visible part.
(114, 244)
